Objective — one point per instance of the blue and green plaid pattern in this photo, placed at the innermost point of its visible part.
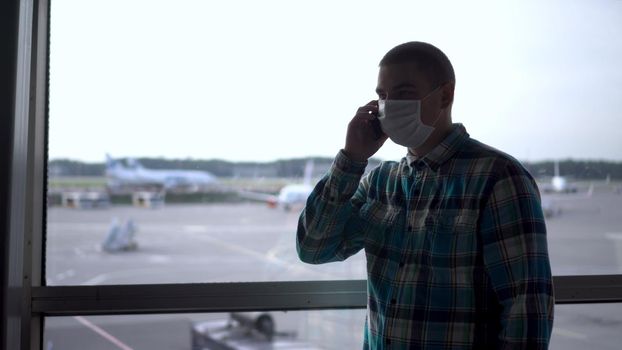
(455, 243)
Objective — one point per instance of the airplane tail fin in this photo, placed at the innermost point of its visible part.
(308, 172)
(134, 163)
(111, 163)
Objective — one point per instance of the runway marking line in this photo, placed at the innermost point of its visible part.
(257, 255)
(103, 333)
(568, 333)
(95, 280)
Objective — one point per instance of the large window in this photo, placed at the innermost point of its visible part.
(183, 139)
(250, 93)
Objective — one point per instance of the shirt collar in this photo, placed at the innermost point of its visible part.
(442, 152)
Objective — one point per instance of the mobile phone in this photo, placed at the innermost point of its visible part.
(375, 124)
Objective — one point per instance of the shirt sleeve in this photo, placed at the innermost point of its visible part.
(329, 228)
(515, 253)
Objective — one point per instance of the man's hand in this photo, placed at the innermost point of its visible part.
(362, 140)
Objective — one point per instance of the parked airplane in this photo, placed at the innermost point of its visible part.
(290, 195)
(551, 203)
(559, 184)
(134, 176)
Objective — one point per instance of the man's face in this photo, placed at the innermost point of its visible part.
(403, 81)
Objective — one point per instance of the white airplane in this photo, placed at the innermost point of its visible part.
(559, 184)
(134, 176)
(289, 196)
(551, 203)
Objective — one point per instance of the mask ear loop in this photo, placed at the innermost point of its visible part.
(437, 118)
(439, 112)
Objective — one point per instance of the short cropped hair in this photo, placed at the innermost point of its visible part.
(430, 60)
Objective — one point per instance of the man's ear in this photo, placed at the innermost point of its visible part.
(447, 94)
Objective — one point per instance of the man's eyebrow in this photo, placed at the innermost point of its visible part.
(399, 86)
(404, 85)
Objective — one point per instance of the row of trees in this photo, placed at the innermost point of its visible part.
(578, 169)
(219, 168)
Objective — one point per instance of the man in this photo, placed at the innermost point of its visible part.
(454, 233)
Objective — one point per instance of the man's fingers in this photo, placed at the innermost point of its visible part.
(372, 107)
(364, 138)
(365, 116)
(367, 111)
(365, 123)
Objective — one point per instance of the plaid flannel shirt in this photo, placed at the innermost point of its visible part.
(455, 243)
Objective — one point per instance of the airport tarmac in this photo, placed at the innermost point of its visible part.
(251, 242)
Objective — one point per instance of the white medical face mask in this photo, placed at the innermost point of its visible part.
(401, 121)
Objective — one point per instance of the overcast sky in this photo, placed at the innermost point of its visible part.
(265, 80)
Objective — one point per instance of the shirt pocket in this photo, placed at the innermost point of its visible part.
(457, 223)
(453, 238)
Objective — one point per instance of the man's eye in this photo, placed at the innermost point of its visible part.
(405, 93)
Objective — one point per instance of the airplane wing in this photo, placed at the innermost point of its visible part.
(271, 199)
(288, 195)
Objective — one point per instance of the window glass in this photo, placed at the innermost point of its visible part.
(577, 327)
(587, 326)
(184, 137)
(181, 243)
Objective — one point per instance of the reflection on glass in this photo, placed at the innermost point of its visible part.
(213, 118)
(577, 327)
(308, 330)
